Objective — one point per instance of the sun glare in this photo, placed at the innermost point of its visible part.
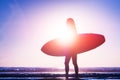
(66, 37)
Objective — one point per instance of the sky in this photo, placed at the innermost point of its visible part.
(26, 25)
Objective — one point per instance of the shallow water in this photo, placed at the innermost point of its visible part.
(55, 74)
(54, 78)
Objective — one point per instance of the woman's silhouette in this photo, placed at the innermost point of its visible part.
(71, 54)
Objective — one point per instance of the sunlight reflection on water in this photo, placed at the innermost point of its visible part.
(54, 74)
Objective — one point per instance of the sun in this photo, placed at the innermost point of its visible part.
(64, 31)
(65, 36)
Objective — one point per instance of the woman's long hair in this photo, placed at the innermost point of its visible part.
(70, 23)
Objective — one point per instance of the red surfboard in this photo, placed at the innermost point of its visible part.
(81, 43)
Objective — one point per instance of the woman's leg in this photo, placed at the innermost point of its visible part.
(74, 60)
(67, 60)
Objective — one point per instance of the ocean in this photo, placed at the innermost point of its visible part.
(36, 73)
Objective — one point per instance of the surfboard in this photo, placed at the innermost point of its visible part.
(82, 43)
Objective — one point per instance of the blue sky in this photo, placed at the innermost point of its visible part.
(26, 25)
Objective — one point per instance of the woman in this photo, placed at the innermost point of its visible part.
(71, 54)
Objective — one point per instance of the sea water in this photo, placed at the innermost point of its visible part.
(21, 73)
